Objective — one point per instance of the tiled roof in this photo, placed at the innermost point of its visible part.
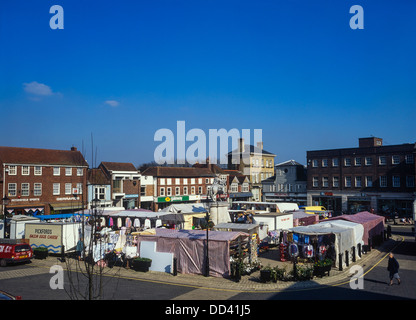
(97, 176)
(177, 172)
(118, 166)
(253, 149)
(289, 163)
(16, 155)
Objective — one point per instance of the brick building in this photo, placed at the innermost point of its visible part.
(370, 177)
(179, 185)
(125, 183)
(43, 180)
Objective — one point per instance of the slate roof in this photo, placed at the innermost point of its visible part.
(253, 149)
(17, 155)
(97, 176)
(118, 166)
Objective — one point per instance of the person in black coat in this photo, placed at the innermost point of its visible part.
(393, 268)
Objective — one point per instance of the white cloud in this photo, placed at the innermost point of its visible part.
(112, 103)
(38, 89)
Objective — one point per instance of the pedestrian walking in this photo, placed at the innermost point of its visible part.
(393, 268)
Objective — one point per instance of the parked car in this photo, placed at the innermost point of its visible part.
(14, 253)
(7, 296)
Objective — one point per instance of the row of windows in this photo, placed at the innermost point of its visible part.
(360, 182)
(280, 187)
(37, 171)
(367, 161)
(168, 181)
(259, 177)
(244, 187)
(264, 163)
(178, 191)
(37, 189)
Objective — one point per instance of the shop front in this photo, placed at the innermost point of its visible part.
(164, 202)
(329, 201)
(396, 207)
(130, 201)
(358, 204)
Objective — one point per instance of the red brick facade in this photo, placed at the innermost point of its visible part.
(30, 179)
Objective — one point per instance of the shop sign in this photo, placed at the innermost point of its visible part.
(26, 199)
(327, 194)
(173, 199)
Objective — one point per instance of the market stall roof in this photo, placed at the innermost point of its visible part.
(146, 214)
(22, 217)
(102, 211)
(43, 217)
(372, 223)
(242, 227)
(185, 208)
(199, 234)
(358, 229)
(304, 218)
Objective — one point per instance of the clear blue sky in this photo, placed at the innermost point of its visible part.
(122, 70)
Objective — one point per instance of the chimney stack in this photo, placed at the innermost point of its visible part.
(241, 145)
(260, 145)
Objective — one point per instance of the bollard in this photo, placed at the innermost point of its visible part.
(175, 266)
(347, 260)
(340, 261)
(370, 243)
(354, 258)
(359, 250)
(62, 253)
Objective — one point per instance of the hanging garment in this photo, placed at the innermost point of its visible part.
(128, 222)
(158, 223)
(136, 222)
(119, 222)
(147, 224)
(111, 222)
(308, 251)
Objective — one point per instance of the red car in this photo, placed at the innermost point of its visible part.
(13, 253)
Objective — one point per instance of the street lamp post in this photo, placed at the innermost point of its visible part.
(5, 202)
(207, 254)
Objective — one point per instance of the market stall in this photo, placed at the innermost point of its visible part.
(250, 228)
(191, 213)
(189, 248)
(373, 224)
(325, 239)
(142, 219)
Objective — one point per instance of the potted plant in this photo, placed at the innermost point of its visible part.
(142, 264)
(278, 274)
(266, 274)
(304, 273)
(321, 267)
(40, 252)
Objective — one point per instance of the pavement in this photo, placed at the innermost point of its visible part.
(251, 283)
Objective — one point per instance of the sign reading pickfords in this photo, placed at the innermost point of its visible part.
(48, 235)
(173, 199)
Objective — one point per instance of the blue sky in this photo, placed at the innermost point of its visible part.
(119, 71)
